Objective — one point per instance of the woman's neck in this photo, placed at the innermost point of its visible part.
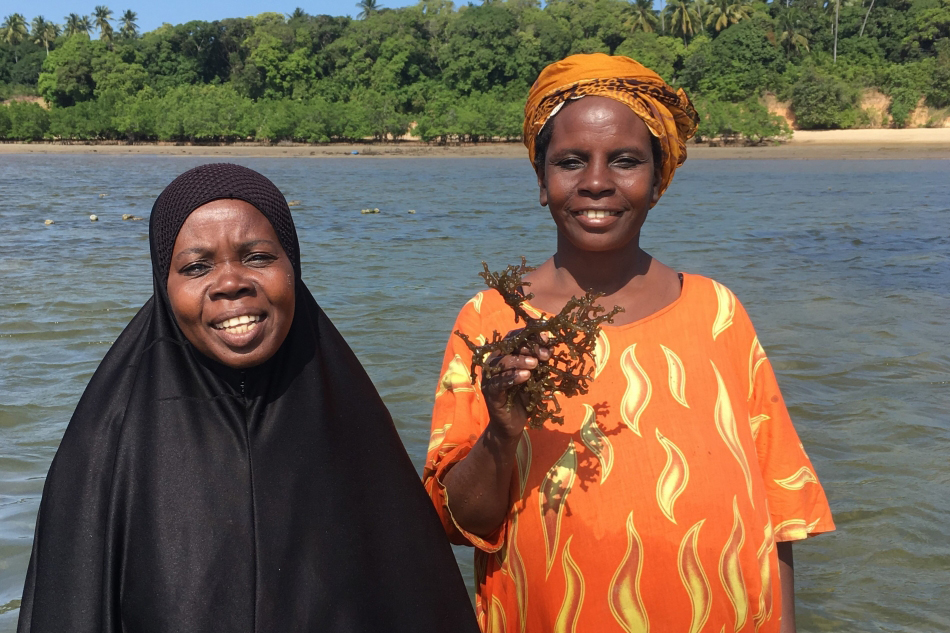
(630, 278)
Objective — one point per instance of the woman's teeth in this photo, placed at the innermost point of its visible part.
(599, 214)
(239, 325)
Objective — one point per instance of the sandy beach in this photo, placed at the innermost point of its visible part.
(918, 143)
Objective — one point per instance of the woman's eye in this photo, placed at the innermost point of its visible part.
(259, 259)
(570, 163)
(194, 269)
(627, 162)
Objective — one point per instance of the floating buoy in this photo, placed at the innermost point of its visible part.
(412, 210)
(293, 203)
(103, 195)
(366, 211)
(129, 216)
(48, 222)
(93, 218)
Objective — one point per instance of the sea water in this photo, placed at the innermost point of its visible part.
(844, 267)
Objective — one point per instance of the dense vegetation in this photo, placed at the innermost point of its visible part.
(462, 73)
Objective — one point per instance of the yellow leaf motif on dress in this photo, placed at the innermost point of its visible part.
(798, 480)
(638, 392)
(730, 569)
(726, 425)
(677, 375)
(532, 311)
(597, 442)
(764, 611)
(523, 457)
(476, 302)
(726, 310)
(496, 617)
(601, 352)
(552, 497)
(625, 600)
(673, 479)
(694, 578)
(438, 435)
(457, 377)
(573, 593)
(756, 359)
(792, 530)
(518, 575)
(756, 422)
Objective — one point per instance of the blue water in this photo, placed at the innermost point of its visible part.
(843, 265)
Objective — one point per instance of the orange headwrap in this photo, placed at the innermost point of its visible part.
(669, 115)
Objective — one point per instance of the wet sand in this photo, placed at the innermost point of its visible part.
(919, 143)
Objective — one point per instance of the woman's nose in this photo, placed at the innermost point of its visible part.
(230, 282)
(596, 181)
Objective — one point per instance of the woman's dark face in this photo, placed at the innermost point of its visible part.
(599, 179)
(231, 285)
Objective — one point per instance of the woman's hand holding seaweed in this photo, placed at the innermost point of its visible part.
(478, 486)
(508, 420)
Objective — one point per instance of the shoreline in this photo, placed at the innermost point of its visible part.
(870, 144)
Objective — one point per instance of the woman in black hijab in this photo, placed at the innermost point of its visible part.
(230, 466)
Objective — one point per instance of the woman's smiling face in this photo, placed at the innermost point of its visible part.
(599, 179)
(231, 285)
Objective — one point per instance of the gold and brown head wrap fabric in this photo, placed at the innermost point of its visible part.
(668, 113)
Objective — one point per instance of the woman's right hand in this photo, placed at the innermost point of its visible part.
(515, 369)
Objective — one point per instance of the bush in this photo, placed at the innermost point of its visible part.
(938, 94)
(821, 101)
(906, 84)
(749, 119)
(28, 121)
(5, 125)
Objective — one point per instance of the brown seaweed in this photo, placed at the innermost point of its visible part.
(571, 335)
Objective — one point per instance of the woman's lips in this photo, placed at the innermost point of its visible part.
(596, 218)
(239, 331)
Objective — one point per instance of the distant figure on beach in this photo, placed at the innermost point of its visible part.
(670, 496)
(230, 466)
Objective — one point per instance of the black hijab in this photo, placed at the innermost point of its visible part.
(187, 496)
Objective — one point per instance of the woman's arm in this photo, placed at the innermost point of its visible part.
(786, 573)
(477, 488)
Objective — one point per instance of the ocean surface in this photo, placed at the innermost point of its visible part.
(843, 265)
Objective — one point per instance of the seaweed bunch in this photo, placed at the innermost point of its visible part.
(571, 335)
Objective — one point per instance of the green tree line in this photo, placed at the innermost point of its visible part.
(450, 72)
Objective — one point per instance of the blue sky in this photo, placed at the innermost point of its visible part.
(152, 14)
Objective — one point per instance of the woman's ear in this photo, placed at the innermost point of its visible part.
(543, 195)
(657, 176)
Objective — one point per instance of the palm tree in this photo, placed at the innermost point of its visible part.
(129, 28)
(644, 17)
(865, 23)
(683, 18)
(44, 32)
(837, 10)
(298, 14)
(725, 12)
(102, 14)
(76, 24)
(368, 8)
(791, 36)
(14, 31)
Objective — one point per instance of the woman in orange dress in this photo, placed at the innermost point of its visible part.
(669, 497)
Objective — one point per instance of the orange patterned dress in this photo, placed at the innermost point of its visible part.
(657, 505)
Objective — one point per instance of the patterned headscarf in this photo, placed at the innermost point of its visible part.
(668, 114)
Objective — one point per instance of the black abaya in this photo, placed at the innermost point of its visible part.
(187, 496)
